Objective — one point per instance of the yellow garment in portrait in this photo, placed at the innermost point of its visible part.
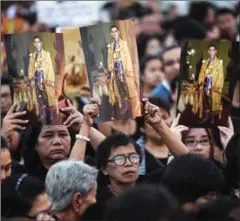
(43, 63)
(216, 69)
(124, 54)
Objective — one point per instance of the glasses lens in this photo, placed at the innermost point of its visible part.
(120, 160)
(134, 158)
(190, 143)
(204, 142)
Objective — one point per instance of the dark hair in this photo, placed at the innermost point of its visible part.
(198, 10)
(169, 49)
(4, 144)
(223, 11)
(114, 26)
(29, 142)
(212, 45)
(145, 61)
(210, 137)
(7, 80)
(191, 176)
(18, 194)
(112, 142)
(143, 203)
(232, 169)
(143, 40)
(187, 28)
(37, 37)
(218, 210)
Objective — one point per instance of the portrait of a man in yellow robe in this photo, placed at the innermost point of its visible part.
(122, 89)
(211, 82)
(42, 75)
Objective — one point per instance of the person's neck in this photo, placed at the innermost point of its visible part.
(117, 187)
(67, 215)
(116, 39)
(147, 90)
(212, 58)
(156, 147)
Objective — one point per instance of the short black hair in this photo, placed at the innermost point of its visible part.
(37, 37)
(223, 11)
(18, 194)
(199, 10)
(144, 202)
(145, 61)
(4, 144)
(187, 28)
(212, 45)
(114, 26)
(111, 142)
(191, 176)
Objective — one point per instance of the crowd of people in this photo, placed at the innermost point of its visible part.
(149, 168)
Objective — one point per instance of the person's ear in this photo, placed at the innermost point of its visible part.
(77, 201)
(104, 171)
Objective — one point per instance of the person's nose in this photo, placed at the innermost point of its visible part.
(128, 162)
(198, 146)
(57, 140)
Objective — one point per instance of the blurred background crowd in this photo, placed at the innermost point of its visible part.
(162, 26)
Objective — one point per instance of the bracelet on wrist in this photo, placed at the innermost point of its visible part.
(81, 137)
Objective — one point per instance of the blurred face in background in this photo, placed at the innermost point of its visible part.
(153, 73)
(6, 99)
(213, 33)
(226, 22)
(6, 163)
(153, 46)
(197, 140)
(114, 32)
(171, 60)
(210, 16)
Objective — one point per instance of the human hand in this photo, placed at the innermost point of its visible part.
(44, 217)
(75, 118)
(151, 113)
(11, 123)
(178, 129)
(226, 133)
(90, 111)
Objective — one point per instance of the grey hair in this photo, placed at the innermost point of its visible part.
(66, 178)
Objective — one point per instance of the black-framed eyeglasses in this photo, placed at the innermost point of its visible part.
(120, 160)
(194, 143)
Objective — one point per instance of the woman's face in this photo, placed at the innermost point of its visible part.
(153, 73)
(39, 205)
(153, 47)
(54, 143)
(198, 142)
(125, 174)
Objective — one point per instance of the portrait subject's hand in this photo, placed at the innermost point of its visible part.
(75, 118)
(11, 123)
(178, 129)
(226, 133)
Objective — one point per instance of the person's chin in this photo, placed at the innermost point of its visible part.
(58, 156)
